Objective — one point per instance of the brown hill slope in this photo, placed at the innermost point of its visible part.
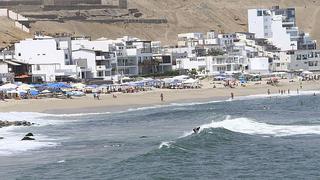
(189, 16)
(8, 33)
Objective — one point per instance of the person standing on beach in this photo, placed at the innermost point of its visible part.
(269, 92)
(232, 95)
(161, 97)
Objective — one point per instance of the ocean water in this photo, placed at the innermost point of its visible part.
(254, 137)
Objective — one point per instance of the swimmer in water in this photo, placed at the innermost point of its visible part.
(196, 130)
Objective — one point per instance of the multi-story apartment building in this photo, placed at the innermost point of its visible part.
(279, 27)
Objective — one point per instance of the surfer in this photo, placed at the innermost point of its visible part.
(196, 130)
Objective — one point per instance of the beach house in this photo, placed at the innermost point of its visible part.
(50, 58)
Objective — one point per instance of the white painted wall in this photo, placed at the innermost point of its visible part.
(3, 68)
(260, 25)
(99, 45)
(4, 12)
(90, 56)
(191, 63)
(39, 52)
(280, 37)
(259, 65)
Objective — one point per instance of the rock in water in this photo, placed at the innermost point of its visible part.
(27, 139)
(14, 123)
(29, 134)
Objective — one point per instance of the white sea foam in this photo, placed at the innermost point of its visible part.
(262, 96)
(248, 126)
(12, 144)
(165, 144)
(77, 114)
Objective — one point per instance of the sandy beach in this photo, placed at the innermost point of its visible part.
(149, 98)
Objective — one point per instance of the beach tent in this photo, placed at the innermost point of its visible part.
(78, 86)
(25, 87)
(34, 92)
(8, 87)
(219, 78)
(306, 72)
(45, 91)
(58, 85)
(22, 92)
(191, 82)
(181, 77)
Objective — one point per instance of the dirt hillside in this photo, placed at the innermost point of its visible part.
(188, 16)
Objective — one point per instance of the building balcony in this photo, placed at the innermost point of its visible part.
(103, 58)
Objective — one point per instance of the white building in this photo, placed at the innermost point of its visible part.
(190, 39)
(279, 27)
(93, 64)
(259, 65)
(51, 58)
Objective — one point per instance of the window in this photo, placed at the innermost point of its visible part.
(19, 54)
(38, 68)
(259, 13)
(66, 56)
(310, 63)
(100, 73)
(299, 57)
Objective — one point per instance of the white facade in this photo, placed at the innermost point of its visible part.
(191, 63)
(267, 24)
(304, 60)
(49, 57)
(259, 65)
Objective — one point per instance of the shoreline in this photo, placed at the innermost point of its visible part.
(146, 99)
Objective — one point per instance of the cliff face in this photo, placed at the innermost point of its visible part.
(188, 16)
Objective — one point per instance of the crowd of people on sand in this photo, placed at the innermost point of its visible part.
(63, 90)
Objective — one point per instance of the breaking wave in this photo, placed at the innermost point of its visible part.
(252, 127)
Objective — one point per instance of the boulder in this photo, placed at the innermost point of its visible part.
(15, 123)
(28, 135)
(26, 138)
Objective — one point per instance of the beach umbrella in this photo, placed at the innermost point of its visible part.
(8, 86)
(45, 91)
(190, 81)
(13, 92)
(58, 85)
(78, 86)
(25, 87)
(34, 92)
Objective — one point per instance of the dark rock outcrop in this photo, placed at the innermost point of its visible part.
(15, 123)
(27, 138)
(28, 135)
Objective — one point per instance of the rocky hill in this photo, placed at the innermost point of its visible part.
(187, 16)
